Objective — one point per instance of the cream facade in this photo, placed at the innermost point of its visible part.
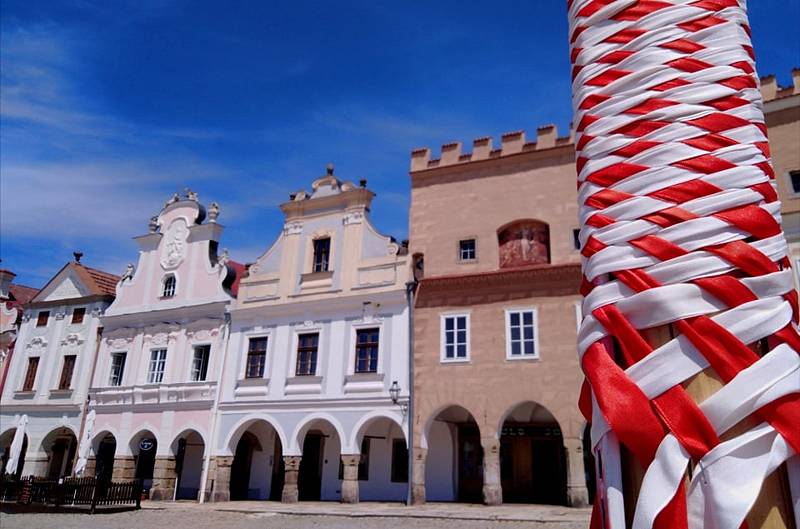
(319, 337)
(155, 384)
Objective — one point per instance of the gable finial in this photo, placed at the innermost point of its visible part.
(329, 169)
(78, 254)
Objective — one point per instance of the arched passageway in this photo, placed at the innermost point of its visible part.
(454, 463)
(144, 447)
(60, 446)
(189, 450)
(319, 473)
(533, 465)
(257, 471)
(105, 450)
(383, 467)
(5, 445)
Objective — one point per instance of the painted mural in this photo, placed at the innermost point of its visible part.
(524, 243)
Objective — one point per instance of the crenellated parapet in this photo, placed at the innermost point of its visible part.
(511, 143)
(770, 90)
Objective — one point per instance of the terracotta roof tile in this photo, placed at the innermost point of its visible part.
(21, 294)
(99, 282)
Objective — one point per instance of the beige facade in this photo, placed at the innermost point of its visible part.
(520, 409)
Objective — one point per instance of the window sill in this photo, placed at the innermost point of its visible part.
(245, 382)
(454, 360)
(303, 379)
(61, 393)
(529, 358)
(24, 394)
(364, 377)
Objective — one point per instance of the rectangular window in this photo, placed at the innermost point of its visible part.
(307, 345)
(256, 358)
(794, 179)
(41, 320)
(30, 375)
(576, 239)
(521, 334)
(158, 359)
(455, 337)
(200, 362)
(322, 252)
(367, 350)
(65, 381)
(466, 250)
(399, 461)
(77, 315)
(117, 369)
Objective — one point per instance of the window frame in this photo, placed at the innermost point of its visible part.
(377, 344)
(29, 382)
(78, 311)
(443, 338)
(121, 375)
(521, 311)
(62, 383)
(325, 266)
(46, 314)
(298, 338)
(460, 249)
(789, 184)
(245, 371)
(160, 366)
(164, 294)
(204, 369)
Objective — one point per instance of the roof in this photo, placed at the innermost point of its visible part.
(21, 294)
(98, 282)
(239, 269)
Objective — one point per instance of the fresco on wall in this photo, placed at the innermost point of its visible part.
(524, 243)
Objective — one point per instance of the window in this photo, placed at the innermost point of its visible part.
(41, 320)
(322, 253)
(367, 350)
(256, 357)
(65, 381)
(30, 375)
(521, 334)
(466, 250)
(78, 314)
(117, 369)
(200, 362)
(455, 337)
(158, 359)
(794, 180)
(168, 287)
(576, 239)
(307, 345)
(399, 461)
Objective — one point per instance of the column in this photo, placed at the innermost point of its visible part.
(418, 476)
(220, 473)
(35, 464)
(291, 465)
(492, 487)
(124, 469)
(577, 494)
(350, 478)
(91, 466)
(163, 479)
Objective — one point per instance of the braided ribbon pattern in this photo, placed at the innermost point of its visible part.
(680, 229)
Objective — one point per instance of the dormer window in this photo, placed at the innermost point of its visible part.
(322, 253)
(168, 287)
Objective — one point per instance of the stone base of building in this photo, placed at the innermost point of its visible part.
(124, 469)
(164, 477)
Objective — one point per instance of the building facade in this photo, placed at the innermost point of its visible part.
(496, 374)
(155, 384)
(49, 373)
(319, 337)
(12, 297)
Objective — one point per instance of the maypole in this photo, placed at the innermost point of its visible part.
(689, 343)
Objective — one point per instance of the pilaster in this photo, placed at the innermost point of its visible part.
(492, 486)
(418, 476)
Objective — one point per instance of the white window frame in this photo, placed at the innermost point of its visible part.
(160, 366)
(208, 361)
(124, 354)
(475, 249)
(522, 355)
(354, 328)
(246, 347)
(443, 337)
(322, 365)
(163, 293)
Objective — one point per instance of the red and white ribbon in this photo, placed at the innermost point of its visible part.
(680, 226)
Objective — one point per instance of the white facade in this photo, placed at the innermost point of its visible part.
(53, 331)
(163, 348)
(288, 297)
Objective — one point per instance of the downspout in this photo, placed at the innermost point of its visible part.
(215, 410)
(88, 399)
(411, 288)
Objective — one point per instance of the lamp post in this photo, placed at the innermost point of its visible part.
(394, 393)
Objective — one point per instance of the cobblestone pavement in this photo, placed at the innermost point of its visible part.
(260, 515)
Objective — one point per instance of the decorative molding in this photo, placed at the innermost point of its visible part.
(72, 342)
(60, 315)
(26, 316)
(353, 217)
(97, 312)
(37, 346)
(294, 227)
(392, 248)
(161, 334)
(175, 245)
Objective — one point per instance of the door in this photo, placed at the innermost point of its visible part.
(309, 481)
(470, 465)
(516, 469)
(549, 485)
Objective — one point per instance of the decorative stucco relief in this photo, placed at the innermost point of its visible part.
(293, 228)
(37, 346)
(174, 249)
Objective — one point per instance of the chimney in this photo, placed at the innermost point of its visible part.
(769, 88)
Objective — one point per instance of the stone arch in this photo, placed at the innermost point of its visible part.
(188, 449)
(363, 424)
(435, 414)
(298, 436)
(104, 448)
(256, 471)
(539, 413)
(60, 444)
(144, 457)
(229, 446)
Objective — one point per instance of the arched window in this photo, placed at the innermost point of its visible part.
(523, 243)
(168, 287)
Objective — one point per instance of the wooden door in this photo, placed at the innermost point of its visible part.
(470, 465)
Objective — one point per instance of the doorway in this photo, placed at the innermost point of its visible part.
(309, 481)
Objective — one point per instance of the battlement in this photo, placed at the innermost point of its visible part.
(482, 148)
(770, 90)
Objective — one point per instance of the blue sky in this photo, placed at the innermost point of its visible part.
(107, 108)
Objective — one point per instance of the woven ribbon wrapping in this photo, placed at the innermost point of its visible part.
(680, 230)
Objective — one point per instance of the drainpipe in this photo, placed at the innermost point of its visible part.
(88, 399)
(411, 288)
(212, 442)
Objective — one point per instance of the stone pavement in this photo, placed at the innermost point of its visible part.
(543, 514)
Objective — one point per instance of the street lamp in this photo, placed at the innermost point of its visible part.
(394, 393)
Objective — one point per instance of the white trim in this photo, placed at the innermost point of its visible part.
(522, 355)
(246, 347)
(356, 326)
(162, 284)
(442, 352)
(297, 330)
